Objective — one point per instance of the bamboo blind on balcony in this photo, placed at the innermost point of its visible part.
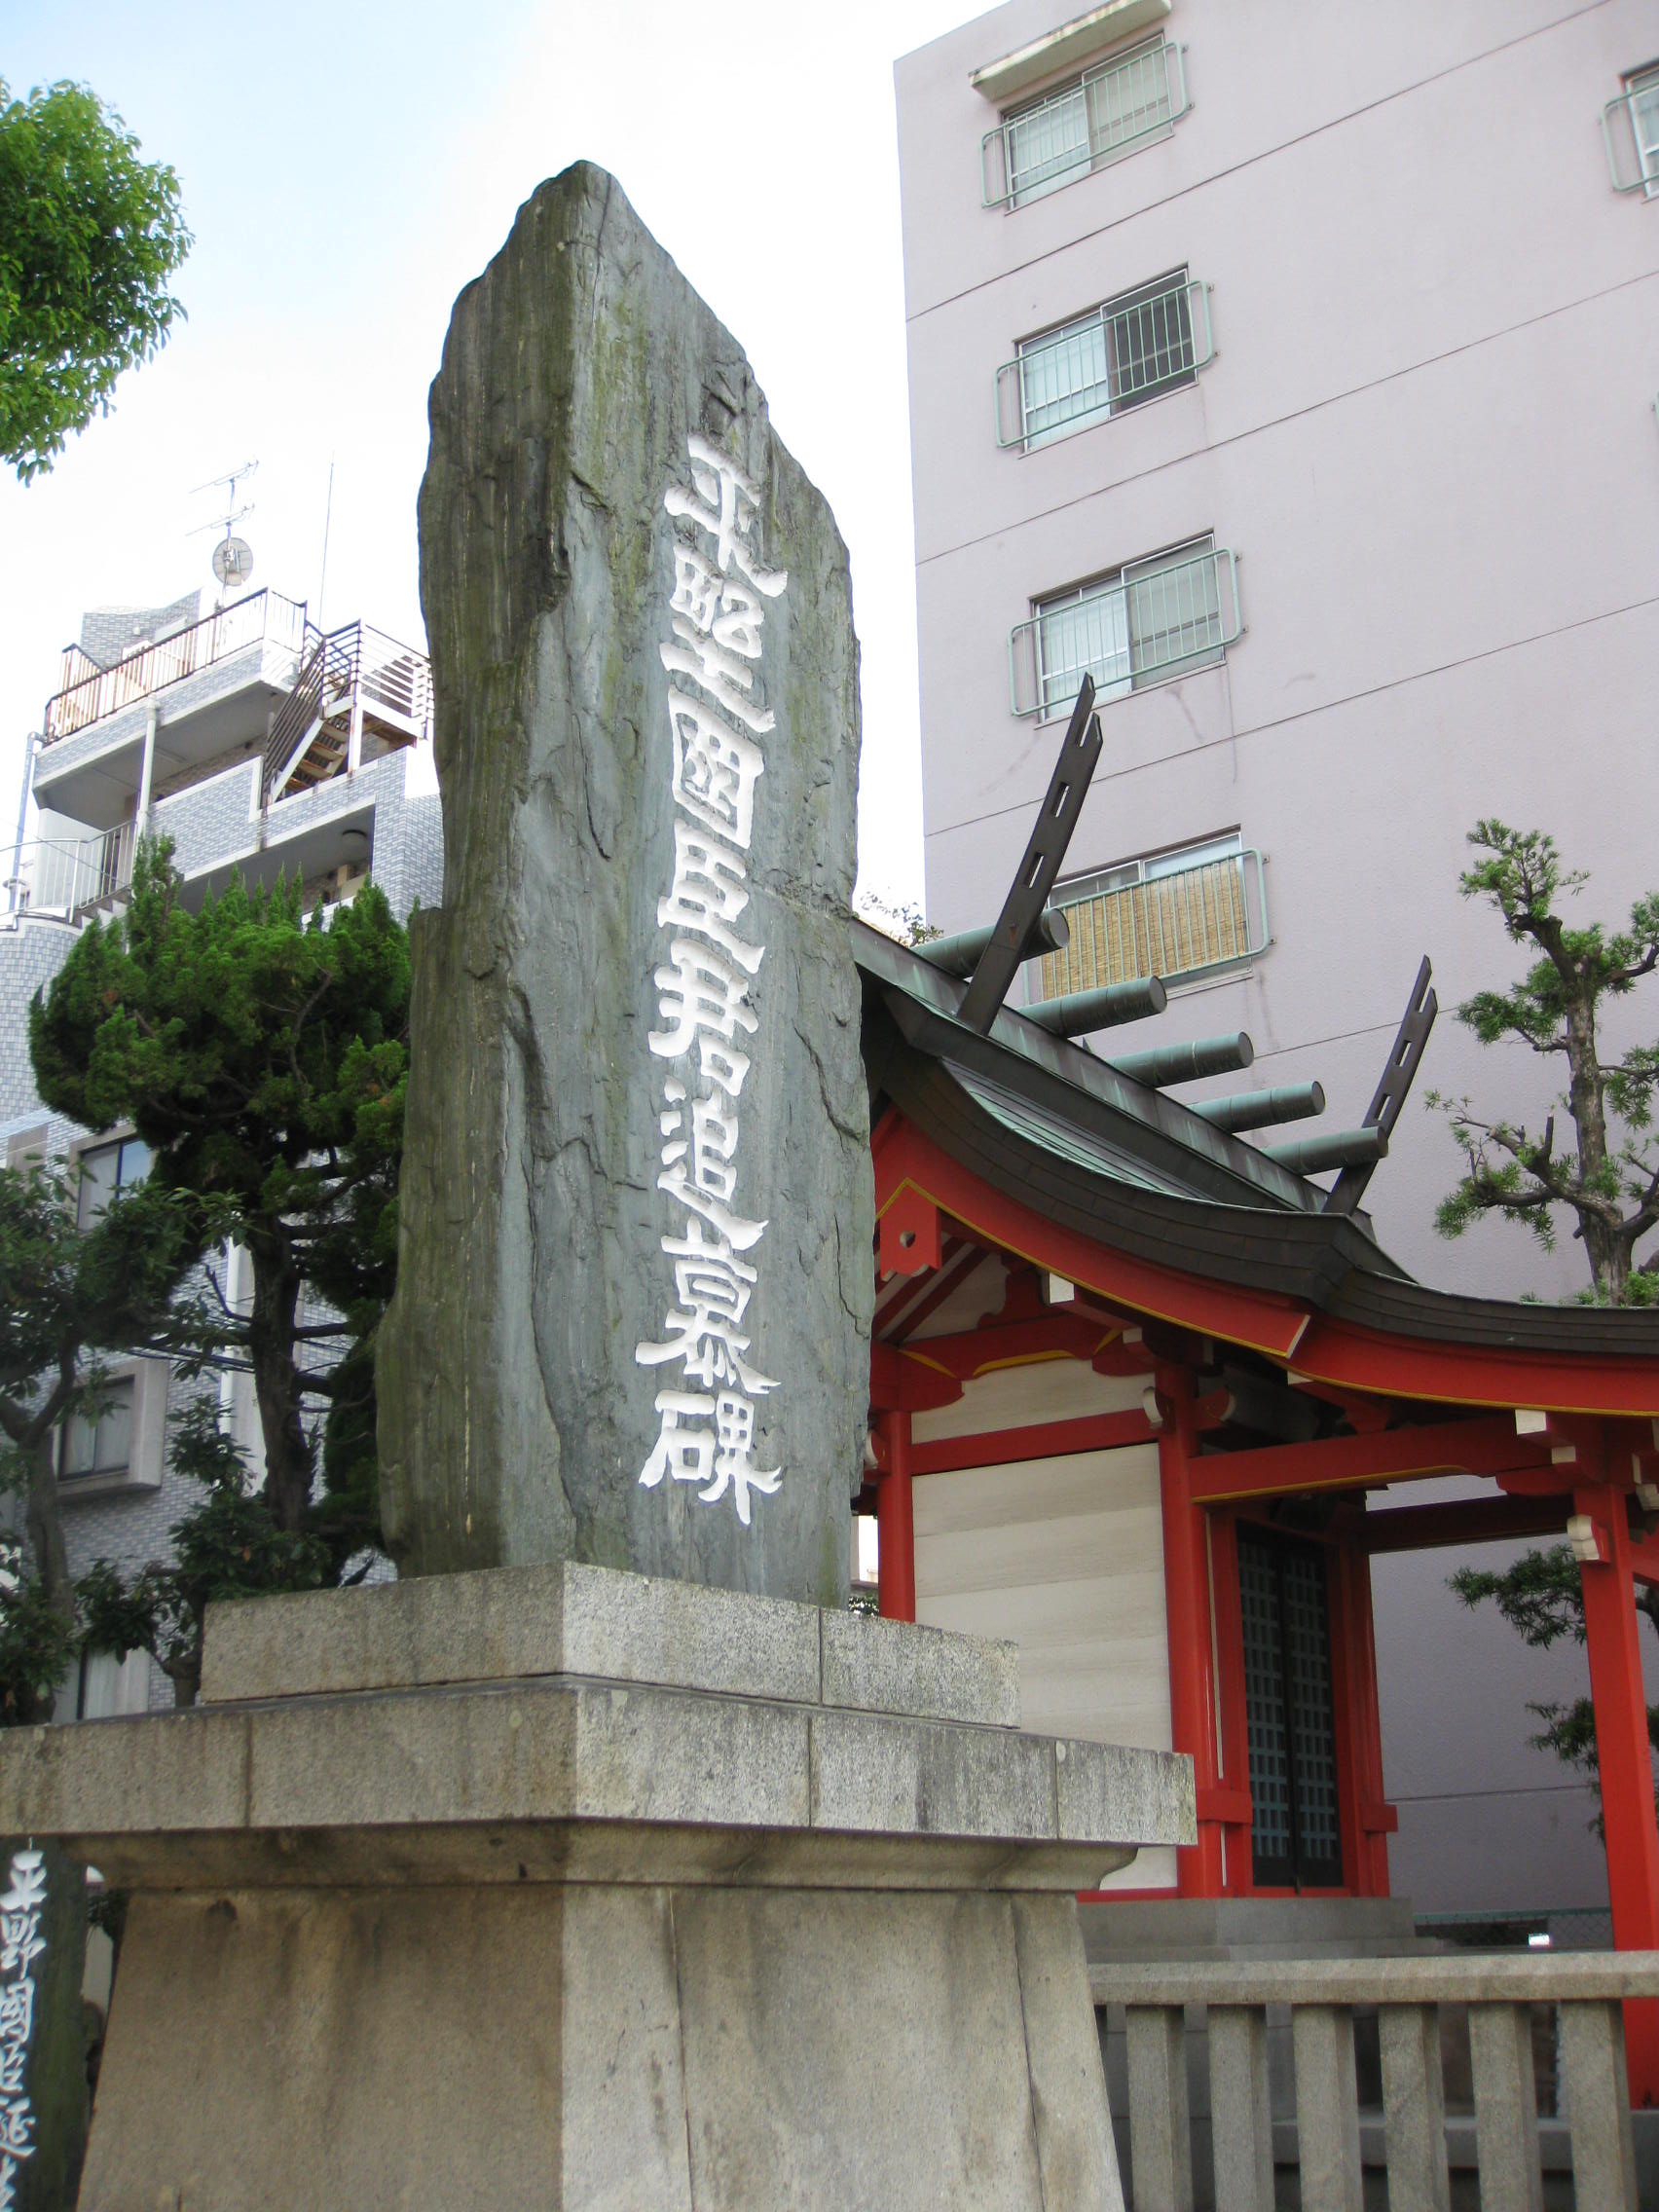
(1176, 923)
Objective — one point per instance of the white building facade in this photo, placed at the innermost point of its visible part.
(1293, 369)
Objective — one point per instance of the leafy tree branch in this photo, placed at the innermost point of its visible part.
(89, 236)
(71, 1295)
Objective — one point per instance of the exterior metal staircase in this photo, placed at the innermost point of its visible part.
(357, 691)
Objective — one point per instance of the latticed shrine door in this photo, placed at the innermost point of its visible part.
(1296, 1841)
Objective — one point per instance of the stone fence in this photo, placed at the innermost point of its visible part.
(1406, 1995)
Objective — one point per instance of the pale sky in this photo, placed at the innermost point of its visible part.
(347, 169)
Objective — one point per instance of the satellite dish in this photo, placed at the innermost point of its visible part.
(233, 562)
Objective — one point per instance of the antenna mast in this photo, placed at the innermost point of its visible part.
(233, 557)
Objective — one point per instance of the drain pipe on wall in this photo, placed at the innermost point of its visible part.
(141, 818)
(15, 882)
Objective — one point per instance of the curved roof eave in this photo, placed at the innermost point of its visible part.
(1327, 1263)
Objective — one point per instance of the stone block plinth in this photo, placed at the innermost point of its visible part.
(557, 1887)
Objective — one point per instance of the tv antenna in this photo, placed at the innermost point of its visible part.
(232, 556)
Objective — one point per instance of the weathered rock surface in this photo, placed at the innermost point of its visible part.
(582, 377)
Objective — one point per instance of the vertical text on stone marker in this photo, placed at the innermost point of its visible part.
(22, 1944)
(704, 1003)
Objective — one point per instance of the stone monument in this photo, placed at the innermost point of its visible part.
(634, 1286)
(608, 1862)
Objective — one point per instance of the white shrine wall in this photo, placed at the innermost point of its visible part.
(1064, 1556)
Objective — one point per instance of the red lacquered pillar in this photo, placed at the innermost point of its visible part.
(1624, 1763)
(1198, 1869)
(896, 1527)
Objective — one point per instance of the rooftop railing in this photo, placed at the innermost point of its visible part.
(1331, 2147)
(1109, 111)
(89, 692)
(395, 677)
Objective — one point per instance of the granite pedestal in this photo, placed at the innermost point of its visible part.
(560, 1887)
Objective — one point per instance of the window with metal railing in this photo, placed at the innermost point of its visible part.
(1108, 111)
(1177, 915)
(1630, 128)
(1153, 619)
(1127, 349)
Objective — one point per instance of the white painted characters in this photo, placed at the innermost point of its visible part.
(704, 989)
(725, 504)
(22, 1944)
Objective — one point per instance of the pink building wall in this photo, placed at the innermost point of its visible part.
(1429, 436)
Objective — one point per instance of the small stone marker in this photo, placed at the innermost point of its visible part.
(634, 1288)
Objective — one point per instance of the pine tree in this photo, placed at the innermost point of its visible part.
(1609, 1179)
(262, 1055)
(1541, 1596)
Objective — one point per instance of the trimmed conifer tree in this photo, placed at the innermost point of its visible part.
(262, 1055)
(1607, 1178)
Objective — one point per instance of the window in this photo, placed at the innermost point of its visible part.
(1178, 915)
(102, 1685)
(1078, 126)
(106, 1169)
(1129, 348)
(1630, 125)
(1642, 92)
(1154, 619)
(1296, 1841)
(102, 1446)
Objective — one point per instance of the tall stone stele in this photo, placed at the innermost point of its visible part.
(634, 1268)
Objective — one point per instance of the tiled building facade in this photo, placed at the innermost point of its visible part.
(166, 706)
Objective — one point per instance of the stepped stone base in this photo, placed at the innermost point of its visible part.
(562, 1887)
(1161, 1929)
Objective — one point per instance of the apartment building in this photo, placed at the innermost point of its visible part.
(258, 744)
(1293, 371)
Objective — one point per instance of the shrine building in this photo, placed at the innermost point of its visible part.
(1148, 1401)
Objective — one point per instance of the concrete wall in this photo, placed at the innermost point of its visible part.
(108, 634)
(1429, 434)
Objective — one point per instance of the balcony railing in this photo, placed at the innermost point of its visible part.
(1176, 923)
(70, 878)
(1107, 112)
(1630, 129)
(1331, 2140)
(1130, 350)
(89, 693)
(1154, 619)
